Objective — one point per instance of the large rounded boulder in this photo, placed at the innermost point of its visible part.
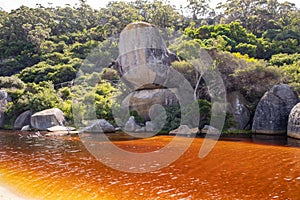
(293, 129)
(272, 112)
(47, 118)
(237, 105)
(143, 56)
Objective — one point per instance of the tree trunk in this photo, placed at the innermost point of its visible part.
(197, 86)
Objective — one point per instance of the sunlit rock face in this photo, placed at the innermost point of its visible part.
(272, 112)
(293, 129)
(144, 65)
(47, 118)
(143, 55)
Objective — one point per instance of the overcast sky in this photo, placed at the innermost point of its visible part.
(7, 5)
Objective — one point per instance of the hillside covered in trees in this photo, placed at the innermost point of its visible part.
(254, 43)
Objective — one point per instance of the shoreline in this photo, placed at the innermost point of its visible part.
(7, 194)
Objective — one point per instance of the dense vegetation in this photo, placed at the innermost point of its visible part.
(254, 44)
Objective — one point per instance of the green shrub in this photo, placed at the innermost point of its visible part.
(284, 59)
(41, 96)
(45, 72)
(256, 79)
(11, 82)
(248, 49)
(34, 97)
(292, 75)
(65, 93)
(66, 107)
(187, 70)
(138, 119)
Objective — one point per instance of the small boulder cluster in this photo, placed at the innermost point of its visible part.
(132, 126)
(51, 120)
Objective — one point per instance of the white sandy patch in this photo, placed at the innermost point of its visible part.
(7, 194)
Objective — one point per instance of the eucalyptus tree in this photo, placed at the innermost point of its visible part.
(258, 15)
(198, 8)
(160, 13)
(116, 15)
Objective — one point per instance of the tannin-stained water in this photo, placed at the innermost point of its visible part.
(61, 168)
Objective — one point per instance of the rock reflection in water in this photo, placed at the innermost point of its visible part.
(281, 140)
(293, 142)
(61, 168)
(269, 139)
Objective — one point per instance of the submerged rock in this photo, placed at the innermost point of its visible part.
(47, 118)
(272, 111)
(293, 129)
(22, 120)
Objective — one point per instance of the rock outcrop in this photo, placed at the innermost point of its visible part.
(293, 129)
(22, 120)
(47, 118)
(142, 100)
(144, 65)
(237, 106)
(99, 126)
(142, 44)
(4, 99)
(272, 112)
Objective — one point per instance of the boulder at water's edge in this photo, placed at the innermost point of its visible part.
(237, 106)
(293, 129)
(272, 111)
(100, 126)
(131, 125)
(151, 127)
(184, 130)
(22, 120)
(47, 118)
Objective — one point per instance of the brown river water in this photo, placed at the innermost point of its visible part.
(62, 168)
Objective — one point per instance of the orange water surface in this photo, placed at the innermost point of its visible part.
(61, 168)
